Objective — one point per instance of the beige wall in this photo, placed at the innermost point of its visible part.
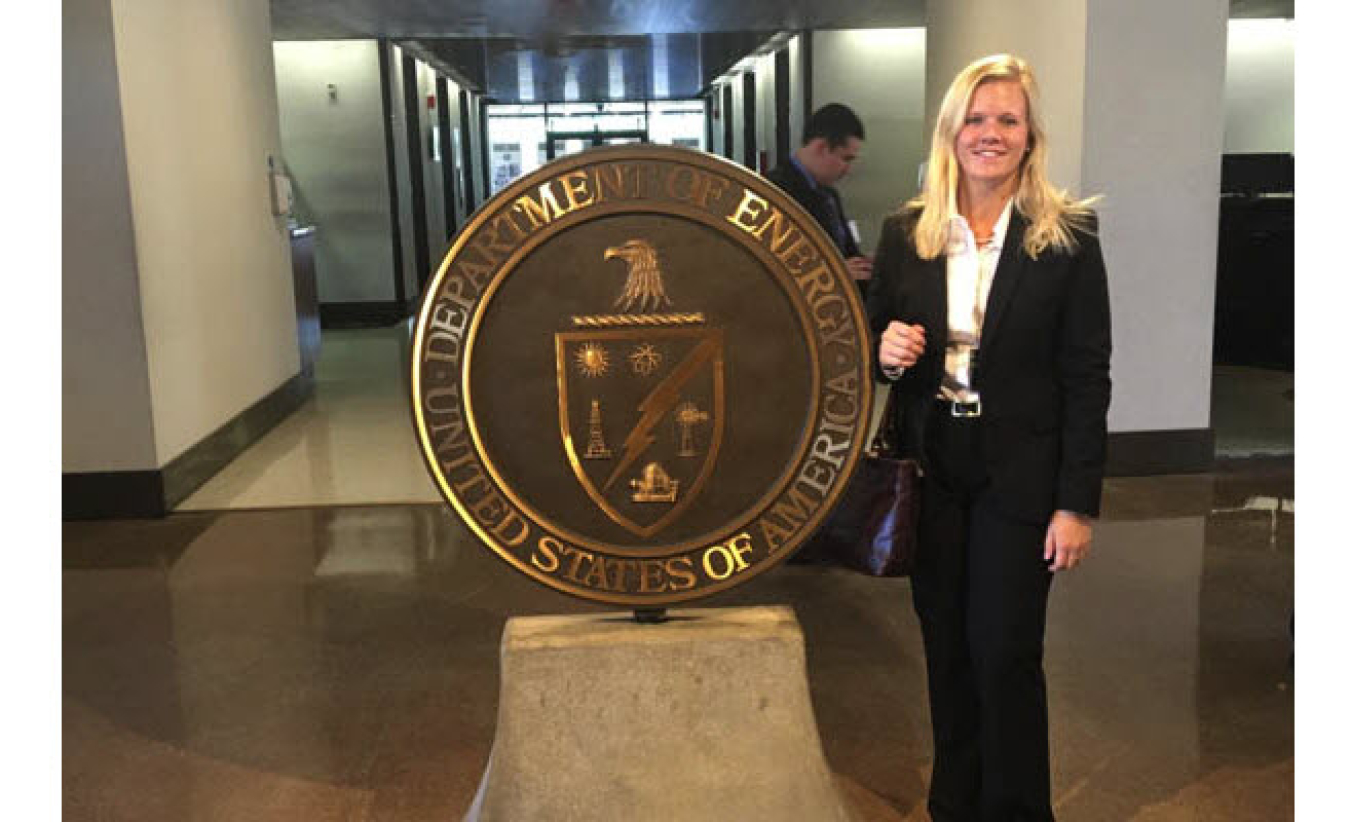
(335, 150)
(890, 104)
(1153, 138)
(106, 421)
(1050, 34)
(200, 120)
(1259, 87)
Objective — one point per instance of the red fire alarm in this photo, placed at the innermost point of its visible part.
(431, 101)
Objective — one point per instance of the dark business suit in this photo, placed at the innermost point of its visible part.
(990, 487)
(821, 202)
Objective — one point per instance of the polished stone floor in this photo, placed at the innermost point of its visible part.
(1252, 412)
(352, 444)
(340, 663)
(312, 637)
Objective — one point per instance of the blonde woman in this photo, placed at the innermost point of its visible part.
(990, 308)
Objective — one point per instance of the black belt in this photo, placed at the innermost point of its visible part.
(960, 410)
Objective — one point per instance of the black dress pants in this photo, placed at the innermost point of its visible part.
(980, 588)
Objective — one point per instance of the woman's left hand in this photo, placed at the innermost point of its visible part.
(1067, 540)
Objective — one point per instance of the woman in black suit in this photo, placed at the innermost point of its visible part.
(990, 309)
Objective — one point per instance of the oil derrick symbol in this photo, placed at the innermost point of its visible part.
(595, 446)
(686, 417)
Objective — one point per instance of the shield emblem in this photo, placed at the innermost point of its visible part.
(641, 411)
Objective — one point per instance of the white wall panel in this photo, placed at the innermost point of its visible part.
(1153, 136)
(1259, 87)
(106, 418)
(200, 120)
(335, 149)
(890, 104)
(1049, 34)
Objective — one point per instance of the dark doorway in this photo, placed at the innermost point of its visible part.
(466, 154)
(709, 106)
(1254, 292)
(1252, 391)
(782, 95)
(483, 152)
(728, 131)
(750, 155)
(391, 171)
(412, 110)
(447, 163)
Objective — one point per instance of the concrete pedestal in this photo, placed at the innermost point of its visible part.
(704, 717)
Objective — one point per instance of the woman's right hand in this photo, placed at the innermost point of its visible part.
(901, 345)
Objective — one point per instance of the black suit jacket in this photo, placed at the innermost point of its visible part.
(1043, 366)
(815, 199)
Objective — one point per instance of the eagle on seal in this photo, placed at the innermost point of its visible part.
(643, 288)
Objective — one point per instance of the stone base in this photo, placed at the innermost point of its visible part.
(704, 717)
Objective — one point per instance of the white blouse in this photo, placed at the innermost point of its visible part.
(970, 275)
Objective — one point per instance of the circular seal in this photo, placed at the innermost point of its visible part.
(642, 375)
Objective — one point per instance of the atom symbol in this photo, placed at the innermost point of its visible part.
(593, 360)
(645, 359)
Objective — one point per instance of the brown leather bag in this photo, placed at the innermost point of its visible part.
(874, 528)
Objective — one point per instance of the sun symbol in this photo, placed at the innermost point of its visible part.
(645, 359)
(593, 360)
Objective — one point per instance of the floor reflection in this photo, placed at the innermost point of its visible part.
(352, 444)
(341, 663)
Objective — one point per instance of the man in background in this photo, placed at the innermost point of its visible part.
(831, 142)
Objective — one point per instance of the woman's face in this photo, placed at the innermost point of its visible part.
(993, 140)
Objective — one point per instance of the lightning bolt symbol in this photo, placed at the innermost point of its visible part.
(661, 399)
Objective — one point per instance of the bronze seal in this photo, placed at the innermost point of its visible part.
(642, 375)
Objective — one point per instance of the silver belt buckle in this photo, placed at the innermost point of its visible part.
(966, 409)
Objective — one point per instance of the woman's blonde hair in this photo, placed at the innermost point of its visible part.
(1051, 214)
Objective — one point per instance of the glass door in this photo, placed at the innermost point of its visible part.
(564, 143)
